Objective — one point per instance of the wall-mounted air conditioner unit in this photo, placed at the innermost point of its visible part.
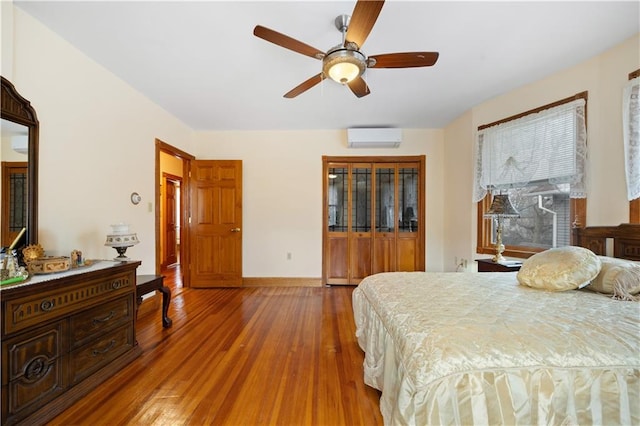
(374, 138)
(20, 143)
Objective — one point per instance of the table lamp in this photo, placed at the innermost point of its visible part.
(121, 239)
(501, 207)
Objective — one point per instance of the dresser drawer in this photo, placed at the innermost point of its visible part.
(89, 324)
(33, 368)
(34, 309)
(28, 354)
(98, 353)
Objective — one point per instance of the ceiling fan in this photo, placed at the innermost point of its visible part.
(346, 63)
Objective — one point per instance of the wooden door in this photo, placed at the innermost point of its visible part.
(360, 223)
(385, 218)
(336, 219)
(373, 217)
(14, 200)
(410, 240)
(216, 223)
(170, 223)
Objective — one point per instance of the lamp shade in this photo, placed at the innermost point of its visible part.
(121, 236)
(121, 240)
(344, 65)
(501, 206)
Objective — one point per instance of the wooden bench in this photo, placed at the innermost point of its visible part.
(148, 283)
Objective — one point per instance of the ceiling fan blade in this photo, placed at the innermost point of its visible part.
(405, 60)
(287, 42)
(304, 86)
(364, 16)
(359, 87)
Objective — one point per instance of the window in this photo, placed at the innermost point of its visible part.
(538, 158)
(631, 134)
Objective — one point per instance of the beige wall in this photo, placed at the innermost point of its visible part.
(282, 193)
(8, 154)
(97, 145)
(460, 212)
(603, 77)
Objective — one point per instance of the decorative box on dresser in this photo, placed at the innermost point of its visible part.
(63, 335)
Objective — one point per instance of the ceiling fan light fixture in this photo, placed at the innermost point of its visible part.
(344, 65)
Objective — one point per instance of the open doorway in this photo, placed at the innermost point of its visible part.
(170, 220)
(172, 206)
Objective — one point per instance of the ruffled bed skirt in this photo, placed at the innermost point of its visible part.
(511, 395)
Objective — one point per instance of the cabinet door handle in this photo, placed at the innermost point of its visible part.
(111, 344)
(235, 229)
(97, 321)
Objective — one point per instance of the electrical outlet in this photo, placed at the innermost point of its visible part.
(288, 255)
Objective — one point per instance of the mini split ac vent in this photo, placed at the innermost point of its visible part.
(374, 138)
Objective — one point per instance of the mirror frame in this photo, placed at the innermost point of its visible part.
(19, 110)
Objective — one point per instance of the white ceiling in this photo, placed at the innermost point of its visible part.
(200, 61)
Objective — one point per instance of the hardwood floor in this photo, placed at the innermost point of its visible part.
(248, 356)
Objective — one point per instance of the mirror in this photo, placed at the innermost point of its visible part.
(19, 159)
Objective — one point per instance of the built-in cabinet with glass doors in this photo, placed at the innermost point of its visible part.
(373, 217)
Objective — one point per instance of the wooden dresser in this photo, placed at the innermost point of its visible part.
(64, 334)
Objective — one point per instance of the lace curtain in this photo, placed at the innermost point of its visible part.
(631, 134)
(546, 146)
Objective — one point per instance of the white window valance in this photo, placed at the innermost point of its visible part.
(549, 145)
(631, 136)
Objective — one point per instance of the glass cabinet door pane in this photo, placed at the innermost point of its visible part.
(385, 199)
(17, 201)
(360, 199)
(408, 199)
(337, 199)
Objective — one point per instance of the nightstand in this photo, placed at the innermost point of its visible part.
(488, 265)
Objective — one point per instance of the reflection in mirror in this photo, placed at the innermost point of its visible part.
(19, 159)
(13, 189)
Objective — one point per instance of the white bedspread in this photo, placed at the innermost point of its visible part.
(477, 348)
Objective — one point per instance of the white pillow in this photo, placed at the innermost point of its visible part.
(618, 277)
(560, 269)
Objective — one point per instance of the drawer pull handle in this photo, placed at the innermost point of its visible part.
(47, 305)
(118, 284)
(36, 369)
(110, 346)
(97, 321)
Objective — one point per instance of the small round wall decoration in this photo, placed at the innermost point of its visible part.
(135, 198)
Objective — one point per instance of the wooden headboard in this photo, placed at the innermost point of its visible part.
(626, 240)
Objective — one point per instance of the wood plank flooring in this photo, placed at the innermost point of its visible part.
(248, 356)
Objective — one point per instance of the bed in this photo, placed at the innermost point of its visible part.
(480, 348)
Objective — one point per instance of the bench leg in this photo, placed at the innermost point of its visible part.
(166, 298)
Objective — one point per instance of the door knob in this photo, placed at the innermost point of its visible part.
(235, 229)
